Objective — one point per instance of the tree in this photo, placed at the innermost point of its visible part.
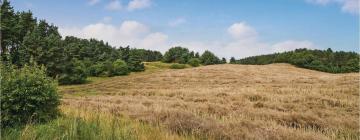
(192, 54)
(27, 95)
(26, 23)
(125, 53)
(223, 61)
(43, 46)
(73, 73)
(8, 29)
(177, 55)
(232, 60)
(197, 55)
(195, 62)
(208, 58)
(321, 60)
(135, 64)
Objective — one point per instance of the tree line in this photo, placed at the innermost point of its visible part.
(321, 60)
(28, 41)
(184, 56)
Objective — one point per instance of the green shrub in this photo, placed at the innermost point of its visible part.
(178, 66)
(195, 62)
(107, 68)
(120, 68)
(96, 69)
(135, 64)
(73, 73)
(27, 95)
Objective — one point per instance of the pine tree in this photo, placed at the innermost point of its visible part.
(8, 29)
(134, 63)
(208, 58)
(232, 60)
(223, 61)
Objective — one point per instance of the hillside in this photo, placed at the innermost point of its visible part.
(276, 101)
(321, 60)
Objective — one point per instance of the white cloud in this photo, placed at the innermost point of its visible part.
(245, 43)
(242, 31)
(351, 6)
(178, 21)
(348, 6)
(138, 4)
(93, 2)
(130, 33)
(138, 35)
(320, 2)
(114, 5)
(156, 41)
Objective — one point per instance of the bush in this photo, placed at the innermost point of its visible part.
(194, 62)
(120, 68)
(27, 95)
(135, 64)
(96, 69)
(177, 66)
(73, 73)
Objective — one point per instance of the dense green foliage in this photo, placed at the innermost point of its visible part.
(71, 59)
(177, 55)
(147, 55)
(321, 60)
(208, 58)
(73, 72)
(120, 68)
(177, 66)
(223, 61)
(135, 63)
(194, 62)
(232, 60)
(27, 95)
(184, 56)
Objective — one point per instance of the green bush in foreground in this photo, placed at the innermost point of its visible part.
(194, 62)
(27, 95)
(178, 66)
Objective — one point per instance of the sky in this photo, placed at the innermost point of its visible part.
(238, 28)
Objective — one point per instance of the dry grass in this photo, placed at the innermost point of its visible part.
(275, 101)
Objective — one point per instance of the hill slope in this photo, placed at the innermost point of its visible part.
(276, 101)
(321, 60)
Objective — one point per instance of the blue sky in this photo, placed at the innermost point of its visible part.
(237, 28)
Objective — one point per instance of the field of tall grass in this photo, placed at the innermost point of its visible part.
(276, 101)
(83, 124)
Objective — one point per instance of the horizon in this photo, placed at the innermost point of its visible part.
(234, 29)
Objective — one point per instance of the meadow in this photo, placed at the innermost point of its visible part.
(276, 101)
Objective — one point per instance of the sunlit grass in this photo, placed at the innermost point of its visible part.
(277, 101)
(82, 124)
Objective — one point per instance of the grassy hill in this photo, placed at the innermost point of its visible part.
(276, 101)
(321, 60)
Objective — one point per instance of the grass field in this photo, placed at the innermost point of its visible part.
(276, 101)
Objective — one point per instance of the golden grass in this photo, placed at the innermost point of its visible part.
(83, 123)
(276, 101)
